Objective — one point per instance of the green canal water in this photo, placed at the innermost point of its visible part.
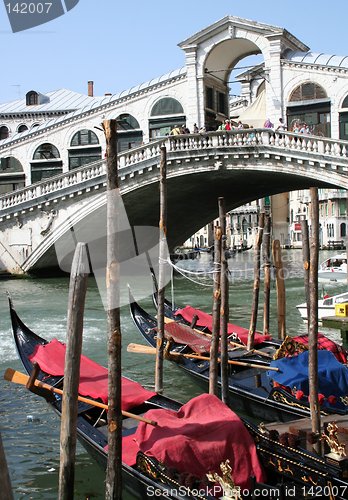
(30, 430)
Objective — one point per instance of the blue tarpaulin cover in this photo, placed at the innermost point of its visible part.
(293, 373)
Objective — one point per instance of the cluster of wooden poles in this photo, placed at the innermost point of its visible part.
(219, 343)
(77, 293)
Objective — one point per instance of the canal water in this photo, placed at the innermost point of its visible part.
(30, 430)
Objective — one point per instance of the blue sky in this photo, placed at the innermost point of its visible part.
(121, 44)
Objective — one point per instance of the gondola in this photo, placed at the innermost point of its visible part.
(144, 475)
(287, 450)
(252, 389)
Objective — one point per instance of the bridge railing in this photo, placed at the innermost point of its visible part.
(320, 148)
(336, 149)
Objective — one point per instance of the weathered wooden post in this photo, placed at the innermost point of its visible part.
(280, 287)
(113, 484)
(224, 308)
(266, 251)
(306, 263)
(76, 306)
(214, 348)
(161, 273)
(6, 490)
(313, 316)
(256, 289)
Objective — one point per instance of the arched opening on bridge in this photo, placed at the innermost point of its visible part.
(165, 114)
(344, 120)
(11, 174)
(46, 162)
(231, 65)
(128, 132)
(84, 148)
(22, 128)
(4, 132)
(309, 104)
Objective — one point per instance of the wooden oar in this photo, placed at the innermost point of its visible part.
(144, 349)
(20, 378)
(234, 344)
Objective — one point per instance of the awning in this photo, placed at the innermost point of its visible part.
(255, 114)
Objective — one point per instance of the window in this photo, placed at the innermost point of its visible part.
(22, 128)
(221, 103)
(209, 97)
(10, 164)
(342, 208)
(4, 132)
(84, 138)
(166, 114)
(345, 102)
(46, 152)
(32, 98)
(127, 122)
(167, 106)
(308, 91)
(81, 157)
(343, 230)
(84, 149)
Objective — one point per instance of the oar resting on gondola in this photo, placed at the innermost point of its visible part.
(144, 349)
(17, 377)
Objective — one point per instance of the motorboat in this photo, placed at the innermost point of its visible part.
(326, 306)
(334, 268)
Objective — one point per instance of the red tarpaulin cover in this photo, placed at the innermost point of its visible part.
(185, 335)
(206, 320)
(198, 438)
(327, 344)
(93, 377)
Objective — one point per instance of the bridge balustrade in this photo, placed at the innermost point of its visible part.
(324, 150)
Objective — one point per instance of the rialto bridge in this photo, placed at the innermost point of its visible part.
(240, 165)
(52, 146)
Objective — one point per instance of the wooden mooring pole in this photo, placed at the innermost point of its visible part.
(68, 429)
(280, 286)
(256, 289)
(224, 308)
(113, 483)
(266, 252)
(214, 347)
(313, 316)
(5, 483)
(306, 263)
(161, 273)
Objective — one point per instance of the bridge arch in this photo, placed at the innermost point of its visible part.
(218, 58)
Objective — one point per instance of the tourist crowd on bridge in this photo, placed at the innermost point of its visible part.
(296, 127)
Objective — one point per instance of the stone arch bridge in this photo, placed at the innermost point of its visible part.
(240, 165)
